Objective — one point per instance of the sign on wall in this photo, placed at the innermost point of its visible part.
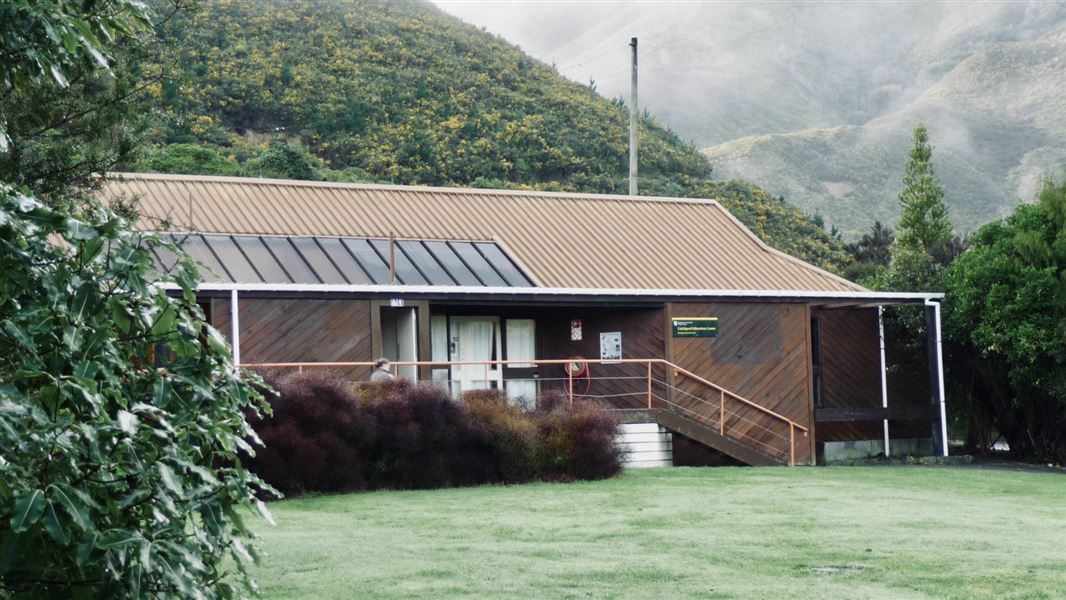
(688, 327)
(575, 330)
(611, 345)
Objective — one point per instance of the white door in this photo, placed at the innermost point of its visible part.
(475, 339)
(407, 342)
(399, 338)
(521, 346)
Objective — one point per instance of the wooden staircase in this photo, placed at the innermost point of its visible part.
(720, 419)
(697, 431)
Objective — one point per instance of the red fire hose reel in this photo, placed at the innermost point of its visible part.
(577, 371)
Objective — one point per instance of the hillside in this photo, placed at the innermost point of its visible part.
(403, 93)
(997, 120)
(816, 101)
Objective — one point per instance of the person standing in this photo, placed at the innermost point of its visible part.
(382, 371)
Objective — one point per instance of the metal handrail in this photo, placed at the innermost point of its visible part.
(678, 370)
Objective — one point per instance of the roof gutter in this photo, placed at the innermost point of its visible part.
(559, 293)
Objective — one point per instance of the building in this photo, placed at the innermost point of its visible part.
(669, 308)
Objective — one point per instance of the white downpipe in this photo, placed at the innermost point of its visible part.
(884, 373)
(235, 326)
(940, 376)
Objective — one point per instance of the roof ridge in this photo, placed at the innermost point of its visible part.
(342, 185)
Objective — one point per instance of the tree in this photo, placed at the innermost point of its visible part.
(1006, 307)
(120, 474)
(122, 418)
(924, 243)
(871, 253)
(70, 81)
(58, 41)
(190, 159)
(284, 160)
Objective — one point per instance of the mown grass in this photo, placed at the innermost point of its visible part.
(908, 532)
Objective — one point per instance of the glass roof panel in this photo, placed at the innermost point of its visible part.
(194, 245)
(294, 264)
(232, 258)
(502, 264)
(263, 260)
(343, 260)
(368, 259)
(426, 263)
(452, 263)
(406, 272)
(478, 264)
(327, 273)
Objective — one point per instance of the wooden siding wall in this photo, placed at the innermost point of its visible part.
(762, 353)
(642, 337)
(299, 330)
(851, 370)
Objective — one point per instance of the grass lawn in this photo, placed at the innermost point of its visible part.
(892, 532)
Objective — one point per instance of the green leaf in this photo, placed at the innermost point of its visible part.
(164, 323)
(74, 502)
(60, 79)
(146, 556)
(86, 547)
(170, 480)
(54, 525)
(28, 510)
(120, 537)
(128, 422)
(264, 512)
(80, 231)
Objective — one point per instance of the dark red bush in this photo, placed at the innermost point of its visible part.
(319, 437)
(325, 436)
(577, 441)
(427, 440)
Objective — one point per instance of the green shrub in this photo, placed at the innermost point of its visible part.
(513, 434)
(117, 479)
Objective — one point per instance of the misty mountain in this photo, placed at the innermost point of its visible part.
(816, 101)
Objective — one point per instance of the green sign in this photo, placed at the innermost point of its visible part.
(686, 327)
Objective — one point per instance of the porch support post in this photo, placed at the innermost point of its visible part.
(936, 376)
(235, 327)
(884, 374)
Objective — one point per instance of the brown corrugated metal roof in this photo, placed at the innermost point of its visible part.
(561, 239)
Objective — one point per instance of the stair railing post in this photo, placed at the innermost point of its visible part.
(570, 379)
(721, 412)
(649, 385)
(791, 444)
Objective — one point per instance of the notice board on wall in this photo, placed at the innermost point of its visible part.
(611, 345)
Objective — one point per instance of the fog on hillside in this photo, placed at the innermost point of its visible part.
(766, 87)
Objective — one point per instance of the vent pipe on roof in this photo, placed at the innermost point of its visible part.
(392, 258)
(633, 123)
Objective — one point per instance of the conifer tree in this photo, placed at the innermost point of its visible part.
(925, 241)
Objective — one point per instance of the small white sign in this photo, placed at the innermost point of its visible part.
(575, 330)
(396, 302)
(611, 345)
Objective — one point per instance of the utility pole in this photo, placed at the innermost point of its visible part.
(633, 123)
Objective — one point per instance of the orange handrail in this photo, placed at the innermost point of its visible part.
(498, 363)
